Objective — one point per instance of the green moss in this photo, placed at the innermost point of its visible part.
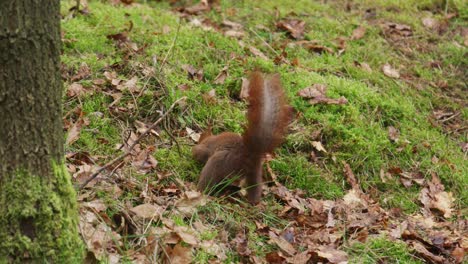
(379, 250)
(39, 218)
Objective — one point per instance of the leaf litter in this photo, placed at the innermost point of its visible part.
(317, 230)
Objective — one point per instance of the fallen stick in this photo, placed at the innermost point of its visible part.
(129, 150)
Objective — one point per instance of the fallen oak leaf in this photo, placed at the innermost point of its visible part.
(257, 53)
(221, 77)
(200, 7)
(74, 132)
(83, 72)
(75, 89)
(424, 253)
(434, 197)
(180, 254)
(316, 94)
(282, 243)
(147, 211)
(240, 243)
(318, 48)
(300, 258)
(358, 33)
(363, 66)
(193, 73)
(244, 93)
(294, 27)
(330, 254)
(186, 235)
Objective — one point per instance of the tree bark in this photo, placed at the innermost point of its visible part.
(38, 212)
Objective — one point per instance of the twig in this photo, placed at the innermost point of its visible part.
(129, 150)
(171, 47)
(264, 42)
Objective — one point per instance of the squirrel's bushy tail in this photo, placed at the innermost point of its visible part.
(268, 114)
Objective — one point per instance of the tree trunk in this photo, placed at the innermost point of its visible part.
(38, 212)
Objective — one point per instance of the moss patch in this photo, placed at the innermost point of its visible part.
(39, 218)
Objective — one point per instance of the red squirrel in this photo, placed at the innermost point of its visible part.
(230, 155)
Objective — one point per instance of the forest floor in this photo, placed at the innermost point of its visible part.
(374, 169)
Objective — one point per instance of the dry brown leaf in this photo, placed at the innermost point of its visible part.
(193, 73)
(397, 31)
(234, 34)
(189, 202)
(300, 258)
(147, 211)
(244, 93)
(316, 94)
(391, 72)
(433, 197)
(97, 205)
(214, 248)
(210, 96)
(464, 146)
(282, 243)
(186, 235)
(83, 72)
(294, 27)
(363, 66)
(257, 53)
(240, 243)
(181, 255)
(142, 127)
(318, 146)
(358, 33)
(192, 134)
(350, 177)
(231, 24)
(221, 77)
(396, 232)
(458, 254)
(75, 89)
(430, 22)
(144, 161)
(426, 254)
(99, 81)
(332, 255)
(353, 199)
(184, 87)
(74, 132)
(130, 85)
(200, 7)
(318, 48)
(393, 134)
(274, 258)
(98, 236)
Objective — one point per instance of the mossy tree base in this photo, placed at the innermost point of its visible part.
(39, 218)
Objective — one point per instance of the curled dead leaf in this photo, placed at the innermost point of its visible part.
(192, 134)
(244, 93)
(393, 134)
(391, 72)
(222, 75)
(294, 27)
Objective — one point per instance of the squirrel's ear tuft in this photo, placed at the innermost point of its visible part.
(205, 134)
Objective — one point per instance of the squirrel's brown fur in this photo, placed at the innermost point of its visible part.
(229, 154)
